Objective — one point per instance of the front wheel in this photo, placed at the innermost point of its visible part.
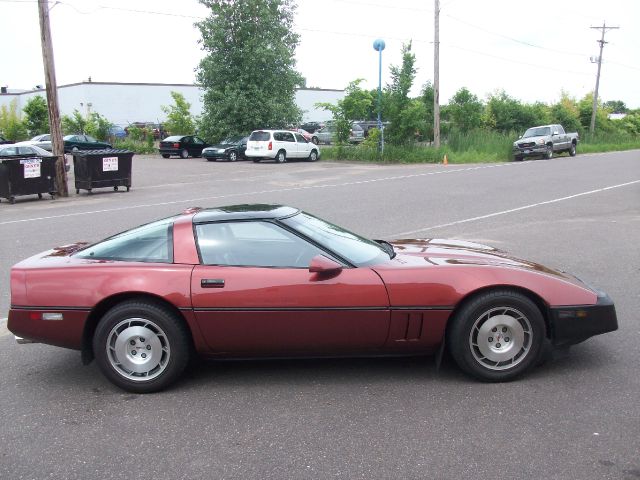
(572, 150)
(496, 336)
(233, 156)
(549, 153)
(141, 346)
(164, 155)
(184, 153)
(313, 156)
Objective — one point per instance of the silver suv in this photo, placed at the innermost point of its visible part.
(279, 145)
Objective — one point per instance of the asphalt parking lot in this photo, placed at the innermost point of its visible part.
(575, 417)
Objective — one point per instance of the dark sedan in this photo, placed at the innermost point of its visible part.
(73, 143)
(231, 149)
(182, 146)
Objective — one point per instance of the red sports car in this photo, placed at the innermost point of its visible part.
(273, 281)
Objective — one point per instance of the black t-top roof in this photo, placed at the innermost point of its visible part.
(244, 212)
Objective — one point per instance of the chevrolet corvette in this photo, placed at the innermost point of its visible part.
(249, 281)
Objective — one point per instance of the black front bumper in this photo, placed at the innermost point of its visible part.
(574, 324)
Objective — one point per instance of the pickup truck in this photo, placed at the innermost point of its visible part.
(544, 141)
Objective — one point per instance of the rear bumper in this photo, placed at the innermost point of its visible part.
(574, 324)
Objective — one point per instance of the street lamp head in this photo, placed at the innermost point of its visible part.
(378, 45)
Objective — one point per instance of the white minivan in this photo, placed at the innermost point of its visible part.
(279, 145)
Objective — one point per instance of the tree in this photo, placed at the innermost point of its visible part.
(426, 97)
(98, 126)
(74, 124)
(506, 114)
(616, 106)
(354, 105)
(402, 127)
(565, 112)
(179, 119)
(36, 118)
(11, 126)
(248, 75)
(465, 110)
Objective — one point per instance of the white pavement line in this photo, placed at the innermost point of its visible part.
(277, 190)
(511, 210)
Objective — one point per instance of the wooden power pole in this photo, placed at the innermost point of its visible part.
(436, 76)
(57, 142)
(594, 109)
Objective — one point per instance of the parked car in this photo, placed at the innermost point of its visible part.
(232, 149)
(544, 141)
(310, 137)
(280, 145)
(73, 143)
(43, 141)
(273, 281)
(4, 141)
(327, 134)
(312, 127)
(183, 146)
(26, 148)
(117, 131)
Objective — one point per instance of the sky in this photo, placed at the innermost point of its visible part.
(532, 50)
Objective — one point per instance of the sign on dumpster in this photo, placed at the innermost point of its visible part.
(31, 167)
(110, 164)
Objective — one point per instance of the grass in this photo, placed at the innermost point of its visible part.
(478, 146)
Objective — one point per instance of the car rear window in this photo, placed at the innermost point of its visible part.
(175, 138)
(260, 136)
(152, 242)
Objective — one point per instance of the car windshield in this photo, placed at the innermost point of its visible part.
(537, 132)
(354, 248)
(235, 139)
(152, 242)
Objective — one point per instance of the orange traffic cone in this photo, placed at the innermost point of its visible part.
(445, 161)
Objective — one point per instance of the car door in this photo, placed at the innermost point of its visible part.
(197, 145)
(304, 147)
(253, 294)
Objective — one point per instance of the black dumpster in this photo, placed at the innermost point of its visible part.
(27, 175)
(102, 168)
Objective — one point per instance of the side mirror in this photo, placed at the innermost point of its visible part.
(322, 264)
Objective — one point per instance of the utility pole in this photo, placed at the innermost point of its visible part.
(57, 143)
(436, 76)
(604, 28)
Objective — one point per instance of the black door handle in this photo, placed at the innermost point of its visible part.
(212, 283)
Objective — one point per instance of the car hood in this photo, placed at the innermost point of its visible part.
(223, 145)
(444, 252)
(531, 139)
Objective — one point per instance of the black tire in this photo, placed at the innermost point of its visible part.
(184, 153)
(75, 149)
(517, 158)
(514, 342)
(313, 156)
(572, 150)
(233, 156)
(256, 160)
(164, 155)
(549, 153)
(164, 335)
(281, 157)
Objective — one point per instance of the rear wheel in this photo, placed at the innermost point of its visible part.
(281, 157)
(256, 160)
(141, 346)
(184, 153)
(517, 158)
(497, 335)
(572, 150)
(164, 155)
(233, 156)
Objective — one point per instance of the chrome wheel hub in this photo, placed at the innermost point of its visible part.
(500, 338)
(138, 349)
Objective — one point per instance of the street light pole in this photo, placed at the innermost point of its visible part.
(379, 45)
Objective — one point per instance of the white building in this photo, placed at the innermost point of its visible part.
(124, 103)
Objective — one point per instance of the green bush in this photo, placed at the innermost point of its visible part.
(11, 127)
(137, 146)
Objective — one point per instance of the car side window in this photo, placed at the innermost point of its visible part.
(253, 244)
(560, 129)
(300, 138)
(187, 140)
(278, 136)
(288, 137)
(26, 151)
(198, 141)
(90, 139)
